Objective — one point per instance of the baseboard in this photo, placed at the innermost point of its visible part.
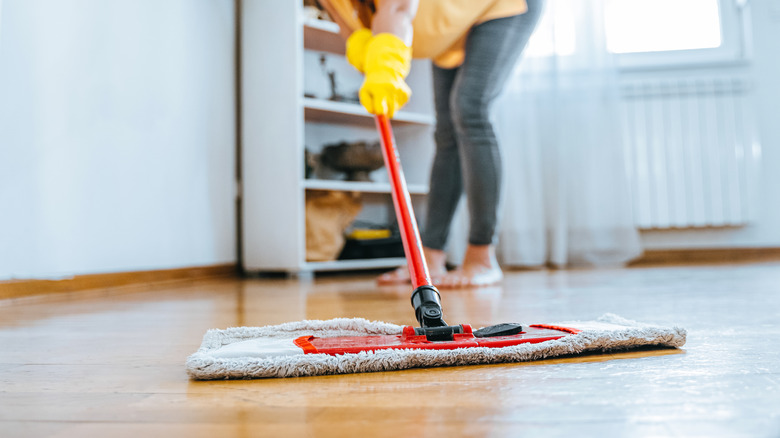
(655, 257)
(22, 288)
(706, 256)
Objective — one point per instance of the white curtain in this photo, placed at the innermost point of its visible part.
(566, 199)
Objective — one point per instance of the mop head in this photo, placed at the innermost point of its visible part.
(270, 351)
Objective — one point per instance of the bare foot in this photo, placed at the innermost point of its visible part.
(479, 268)
(435, 259)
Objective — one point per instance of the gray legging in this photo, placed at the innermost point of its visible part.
(467, 152)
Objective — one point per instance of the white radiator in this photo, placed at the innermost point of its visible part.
(692, 152)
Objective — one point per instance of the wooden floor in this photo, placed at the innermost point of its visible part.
(110, 363)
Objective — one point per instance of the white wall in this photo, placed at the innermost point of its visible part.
(116, 136)
(764, 71)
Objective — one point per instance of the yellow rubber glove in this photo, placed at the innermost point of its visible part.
(387, 63)
(356, 47)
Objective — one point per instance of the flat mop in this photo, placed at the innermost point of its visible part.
(341, 346)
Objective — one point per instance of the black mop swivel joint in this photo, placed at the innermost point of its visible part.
(427, 308)
(426, 301)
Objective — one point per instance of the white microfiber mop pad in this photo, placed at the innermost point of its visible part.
(260, 352)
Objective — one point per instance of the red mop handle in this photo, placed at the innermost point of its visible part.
(410, 235)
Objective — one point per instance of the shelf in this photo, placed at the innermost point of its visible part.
(322, 26)
(359, 186)
(281, 63)
(328, 111)
(346, 265)
(323, 36)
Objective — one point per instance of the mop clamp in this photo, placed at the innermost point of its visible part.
(440, 334)
(427, 308)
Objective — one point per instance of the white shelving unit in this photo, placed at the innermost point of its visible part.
(351, 265)
(356, 186)
(326, 111)
(281, 63)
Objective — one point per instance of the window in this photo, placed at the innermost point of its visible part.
(646, 33)
(649, 33)
(634, 26)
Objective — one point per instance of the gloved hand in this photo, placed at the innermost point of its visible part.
(387, 63)
(356, 47)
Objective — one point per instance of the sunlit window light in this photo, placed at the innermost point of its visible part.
(662, 25)
(634, 26)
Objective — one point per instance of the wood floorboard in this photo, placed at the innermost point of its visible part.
(112, 364)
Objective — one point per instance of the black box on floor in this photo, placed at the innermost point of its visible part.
(372, 248)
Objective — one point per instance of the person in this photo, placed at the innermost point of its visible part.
(474, 46)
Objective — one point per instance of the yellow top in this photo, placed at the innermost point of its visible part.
(441, 26)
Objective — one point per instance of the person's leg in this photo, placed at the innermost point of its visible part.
(446, 186)
(492, 50)
(446, 183)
